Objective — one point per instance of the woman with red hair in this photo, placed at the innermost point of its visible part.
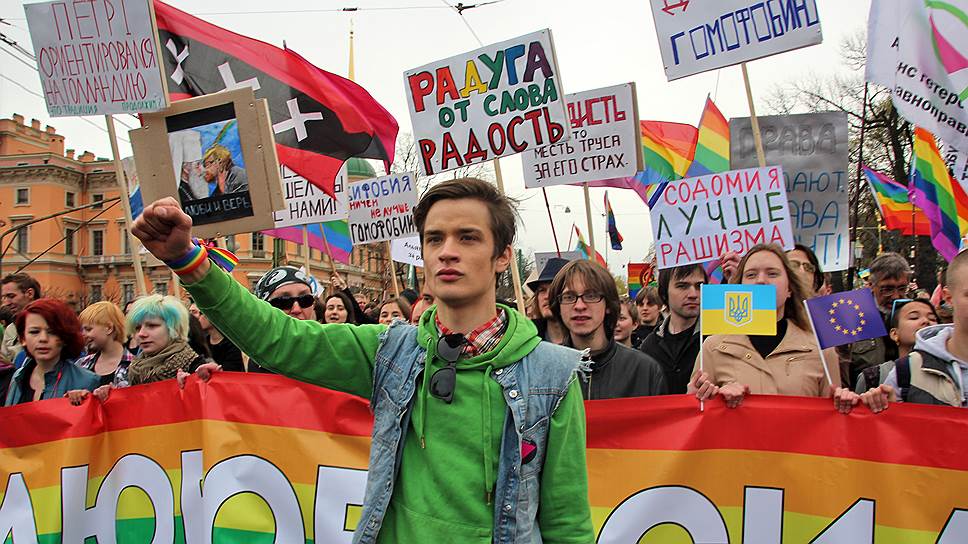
(51, 335)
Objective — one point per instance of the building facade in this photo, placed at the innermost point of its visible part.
(84, 255)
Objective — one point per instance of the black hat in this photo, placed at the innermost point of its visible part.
(277, 277)
(548, 273)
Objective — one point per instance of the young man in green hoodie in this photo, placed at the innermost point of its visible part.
(479, 427)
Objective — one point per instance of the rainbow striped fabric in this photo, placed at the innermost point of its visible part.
(895, 204)
(582, 247)
(614, 236)
(942, 198)
(712, 147)
(339, 245)
(640, 275)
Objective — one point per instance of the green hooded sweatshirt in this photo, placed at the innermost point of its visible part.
(446, 479)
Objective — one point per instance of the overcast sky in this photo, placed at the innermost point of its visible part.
(598, 44)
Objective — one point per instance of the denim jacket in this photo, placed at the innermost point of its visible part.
(533, 388)
(64, 377)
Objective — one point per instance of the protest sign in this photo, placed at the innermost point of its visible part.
(407, 251)
(381, 209)
(275, 465)
(97, 58)
(957, 160)
(498, 100)
(699, 219)
(605, 141)
(812, 149)
(541, 258)
(306, 203)
(700, 35)
(917, 50)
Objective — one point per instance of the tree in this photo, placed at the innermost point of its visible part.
(887, 148)
(407, 159)
(623, 288)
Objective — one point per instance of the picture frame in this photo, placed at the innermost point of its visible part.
(215, 155)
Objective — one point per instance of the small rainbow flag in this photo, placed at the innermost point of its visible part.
(585, 249)
(712, 147)
(339, 245)
(614, 236)
(640, 275)
(941, 197)
(895, 204)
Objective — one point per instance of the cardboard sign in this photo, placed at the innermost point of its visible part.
(97, 58)
(498, 100)
(698, 219)
(407, 251)
(306, 203)
(812, 148)
(215, 154)
(541, 258)
(700, 35)
(381, 209)
(605, 141)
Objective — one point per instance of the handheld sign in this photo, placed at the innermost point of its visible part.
(698, 219)
(498, 100)
(97, 58)
(381, 209)
(700, 35)
(812, 147)
(605, 141)
(407, 251)
(306, 203)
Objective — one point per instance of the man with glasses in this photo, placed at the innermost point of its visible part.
(584, 298)
(890, 274)
(479, 426)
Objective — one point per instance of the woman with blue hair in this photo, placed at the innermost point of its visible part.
(160, 324)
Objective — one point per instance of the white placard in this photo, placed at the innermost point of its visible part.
(495, 101)
(306, 203)
(381, 209)
(97, 58)
(541, 258)
(407, 251)
(698, 219)
(700, 35)
(605, 141)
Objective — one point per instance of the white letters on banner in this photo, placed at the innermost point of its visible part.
(97, 58)
(495, 101)
(407, 251)
(700, 35)
(698, 219)
(306, 203)
(812, 148)
(381, 209)
(605, 141)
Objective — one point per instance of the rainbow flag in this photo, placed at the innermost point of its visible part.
(668, 150)
(714, 271)
(614, 236)
(585, 250)
(337, 234)
(640, 275)
(941, 197)
(712, 147)
(895, 204)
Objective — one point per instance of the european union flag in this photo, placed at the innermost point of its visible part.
(738, 309)
(844, 318)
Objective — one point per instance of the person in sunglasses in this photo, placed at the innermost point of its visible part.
(908, 316)
(583, 296)
(288, 288)
(479, 426)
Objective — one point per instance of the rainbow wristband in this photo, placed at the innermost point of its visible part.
(190, 262)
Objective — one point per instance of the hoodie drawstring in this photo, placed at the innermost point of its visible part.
(489, 478)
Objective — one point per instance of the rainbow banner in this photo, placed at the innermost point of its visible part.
(286, 462)
(640, 275)
(336, 244)
(895, 204)
(942, 198)
(712, 147)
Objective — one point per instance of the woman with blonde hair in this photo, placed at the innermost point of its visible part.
(787, 363)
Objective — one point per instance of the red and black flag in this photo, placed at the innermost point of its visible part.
(319, 119)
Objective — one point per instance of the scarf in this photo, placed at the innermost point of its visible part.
(163, 365)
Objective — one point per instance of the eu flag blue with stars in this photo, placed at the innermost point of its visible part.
(844, 318)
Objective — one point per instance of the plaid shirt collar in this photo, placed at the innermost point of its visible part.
(482, 339)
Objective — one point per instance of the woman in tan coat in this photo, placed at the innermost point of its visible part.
(788, 363)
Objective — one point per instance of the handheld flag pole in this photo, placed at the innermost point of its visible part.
(823, 360)
(591, 232)
(757, 138)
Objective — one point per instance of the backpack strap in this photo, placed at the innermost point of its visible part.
(872, 377)
(903, 373)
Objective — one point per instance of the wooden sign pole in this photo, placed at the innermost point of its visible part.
(133, 243)
(515, 273)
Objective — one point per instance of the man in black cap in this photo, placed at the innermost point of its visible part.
(549, 328)
(288, 288)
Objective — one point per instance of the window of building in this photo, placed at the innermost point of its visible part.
(125, 242)
(23, 196)
(69, 199)
(127, 293)
(69, 240)
(97, 242)
(97, 197)
(258, 243)
(96, 293)
(23, 240)
(231, 244)
(161, 287)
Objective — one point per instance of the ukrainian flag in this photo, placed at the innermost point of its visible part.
(738, 309)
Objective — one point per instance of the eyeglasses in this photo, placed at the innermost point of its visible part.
(806, 267)
(444, 380)
(285, 303)
(888, 289)
(588, 298)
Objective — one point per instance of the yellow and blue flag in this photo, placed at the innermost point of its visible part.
(738, 309)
